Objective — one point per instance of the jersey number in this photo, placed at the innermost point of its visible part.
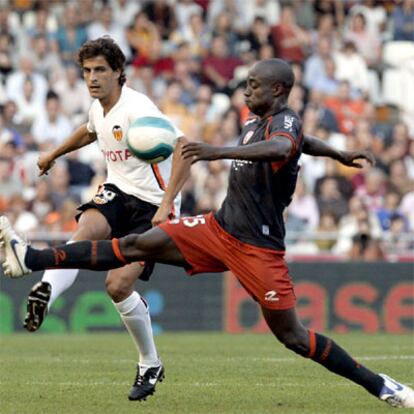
(194, 221)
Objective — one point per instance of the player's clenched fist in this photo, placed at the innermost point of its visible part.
(45, 163)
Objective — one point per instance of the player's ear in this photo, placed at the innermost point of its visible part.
(278, 89)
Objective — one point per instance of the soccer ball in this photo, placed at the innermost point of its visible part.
(151, 139)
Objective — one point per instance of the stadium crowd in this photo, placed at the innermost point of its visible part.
(354, 68)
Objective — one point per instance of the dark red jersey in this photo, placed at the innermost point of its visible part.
(259, 191)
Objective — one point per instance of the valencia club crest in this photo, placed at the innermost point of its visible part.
(117, 132)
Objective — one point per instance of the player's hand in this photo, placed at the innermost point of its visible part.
(350, 158)
(198, 151)
(45, 163)
(161, 215)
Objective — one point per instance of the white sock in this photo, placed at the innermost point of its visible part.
(137, 320)
(60, 280)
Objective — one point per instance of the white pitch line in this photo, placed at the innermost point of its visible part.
(185, 384)
(256, 359)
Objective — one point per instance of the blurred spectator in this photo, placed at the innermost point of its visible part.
(41, 204)
(143, 38)
(125, 10)
(396, 240)
(219, 66)
(375, 14)
(403, 20)
(409, 160)
(290, 41)
(350, 66)
(332, 173)
(45, 61)
(184, 10)
(223, 27)
(390, 209)
(29, 106)
(259, 34)
(143, 79)
(346, 109)
(326, 81)
(304, 207)
(234, 7)
(71, 34)
(80, 173)
(73, 93)
(171, 104)
(398, 177)
(41, 23)
(368, 42)
(9, 183)
(106, 25)
(265, 9)
(16, 80)
(315, 64)
(330, 199)
(162, 14)
(407, 208)
(59, 187)
(358, 222)
(51, 128)
(372, 190)
(327, 228)
(6, 55)
(24, 220)
(196, 34)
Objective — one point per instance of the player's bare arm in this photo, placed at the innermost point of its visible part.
(318, 148)
(80, 138)
(272, 150)
(180, 171)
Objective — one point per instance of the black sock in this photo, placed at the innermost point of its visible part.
(326, 352)
(94, 255)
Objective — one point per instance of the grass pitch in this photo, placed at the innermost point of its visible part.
(210, 373)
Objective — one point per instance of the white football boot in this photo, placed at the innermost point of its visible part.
(396, 394)
(14, 250)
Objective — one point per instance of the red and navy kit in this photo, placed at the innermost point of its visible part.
(246, 235)
(259, 191)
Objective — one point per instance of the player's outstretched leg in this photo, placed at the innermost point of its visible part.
(287, 328)
(20, 259)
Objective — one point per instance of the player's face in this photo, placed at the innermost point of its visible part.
(257, 94)
(100, 78)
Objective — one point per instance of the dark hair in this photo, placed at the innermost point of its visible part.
(51, 94)
(106, 47)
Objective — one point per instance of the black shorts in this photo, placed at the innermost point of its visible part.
(125, 214)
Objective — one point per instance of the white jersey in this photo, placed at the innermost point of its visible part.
(128, 173)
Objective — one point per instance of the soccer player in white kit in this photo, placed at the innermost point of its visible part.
(125, 203)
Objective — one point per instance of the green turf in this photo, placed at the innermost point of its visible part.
(205, 373)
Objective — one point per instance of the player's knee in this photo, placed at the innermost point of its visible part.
(117, 289)
(296, 342)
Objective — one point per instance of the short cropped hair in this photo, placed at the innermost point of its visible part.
(106, 47)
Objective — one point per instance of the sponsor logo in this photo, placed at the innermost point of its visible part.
(247, 137)
(104, 197)
(271, 296)
(115, 156)
(117, 132)
(288, 122)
